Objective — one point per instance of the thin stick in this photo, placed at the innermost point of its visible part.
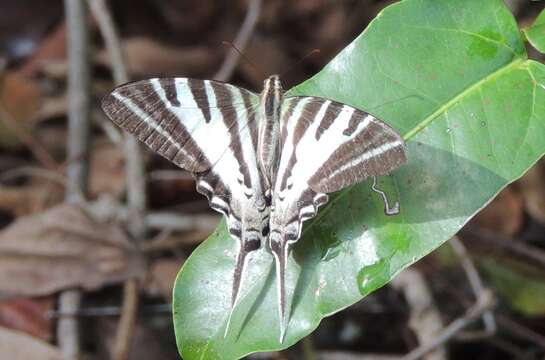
(136, 183)
(425, 319)
(36, 172)
(104, 311)
(79, 135)
(483, 304)
(241, 40)
(516, 247)
(476, 285)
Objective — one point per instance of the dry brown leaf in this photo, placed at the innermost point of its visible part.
(51, 49)
(107, 173)
(18, 346)
(63, 248)
(533, 191)
(146, 57)
(29, 199)
(504, 214)
(28, 316)
(162, 276)
(20, 100)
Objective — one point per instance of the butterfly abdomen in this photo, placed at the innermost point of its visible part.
(268, 149)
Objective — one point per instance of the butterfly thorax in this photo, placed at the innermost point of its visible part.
(269, 128)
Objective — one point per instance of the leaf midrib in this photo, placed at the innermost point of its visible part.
(461, 95)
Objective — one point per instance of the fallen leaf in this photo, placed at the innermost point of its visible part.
(533, 191)
(107, 173)
(63, 248)
(18, 346)
(504, 214)
(146, 57)
(162, 275)
(51, 49)
(29, 199)
(20, 100)
(28, 316)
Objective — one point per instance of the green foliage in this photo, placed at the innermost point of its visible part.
(536, 33)
(451, 76)
(521, 285)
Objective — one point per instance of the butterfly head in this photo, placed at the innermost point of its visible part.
(273, 83)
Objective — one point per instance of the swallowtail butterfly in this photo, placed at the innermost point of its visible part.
(266, 162)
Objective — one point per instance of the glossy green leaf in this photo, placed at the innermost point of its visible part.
(453, 78)
(536, 33)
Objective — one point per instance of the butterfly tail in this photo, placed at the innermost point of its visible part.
(237, 282)
(280, 253)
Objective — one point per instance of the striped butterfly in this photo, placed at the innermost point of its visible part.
(266, 162)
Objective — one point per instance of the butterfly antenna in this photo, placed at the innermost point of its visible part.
(237, 282)
(280, 254)
(311, 53)
(256, 68)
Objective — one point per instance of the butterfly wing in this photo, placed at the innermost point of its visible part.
(326, 146)
(210, 129)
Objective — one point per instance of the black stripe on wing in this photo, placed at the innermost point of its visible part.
(372, 148)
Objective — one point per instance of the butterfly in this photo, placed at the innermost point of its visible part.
(266, 161)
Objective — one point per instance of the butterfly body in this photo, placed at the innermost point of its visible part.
(267, 162)
(269, 128)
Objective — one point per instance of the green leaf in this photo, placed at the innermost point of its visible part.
(520, 284)
(536, 33)
(454, 79)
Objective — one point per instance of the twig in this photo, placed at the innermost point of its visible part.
(106, 209)
(136, 183)
(103, 311)
(34, 171)
(171, 221)
(169, 175)
(79, 136)
(476, 286)
(167, 242)
(241, 40)
(517, 247)
(425, 319)
(483, 304)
